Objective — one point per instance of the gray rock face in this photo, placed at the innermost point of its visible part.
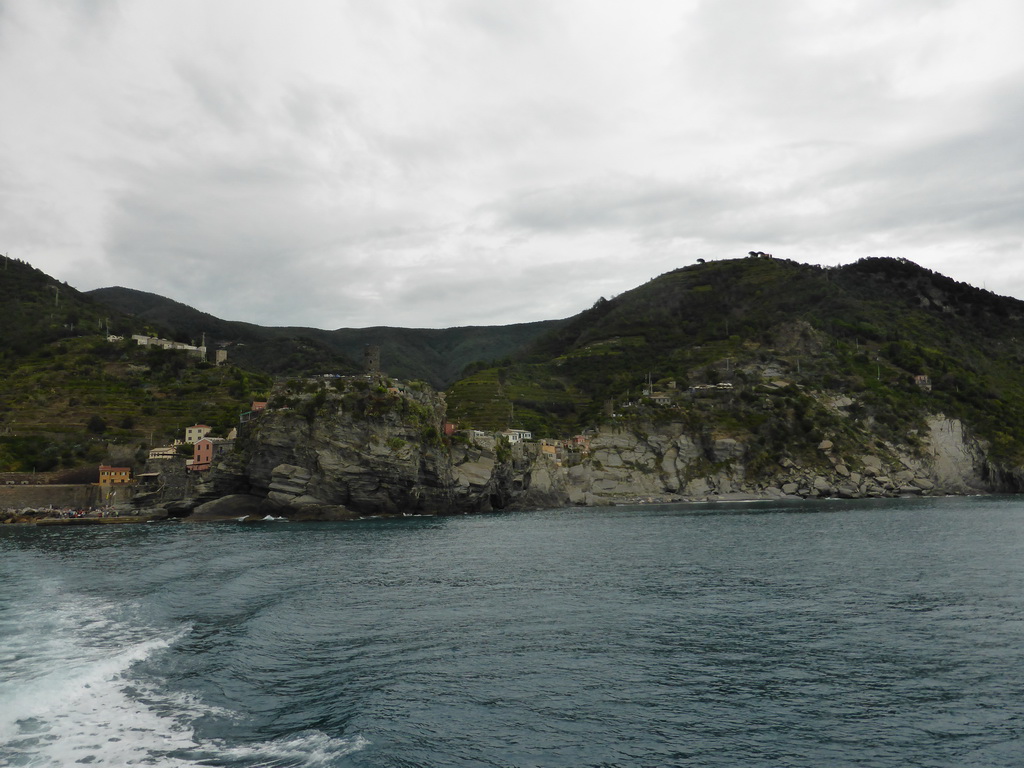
(957, 461)
(367, 451)
(228, 508)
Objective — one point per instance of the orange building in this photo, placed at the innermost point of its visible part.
(114, 475)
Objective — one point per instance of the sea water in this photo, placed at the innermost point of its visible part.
(887, 633)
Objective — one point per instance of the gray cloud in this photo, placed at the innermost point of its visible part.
(359, 164)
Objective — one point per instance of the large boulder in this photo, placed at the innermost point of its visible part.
(231, 507)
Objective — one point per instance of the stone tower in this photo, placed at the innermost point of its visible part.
(371, 360)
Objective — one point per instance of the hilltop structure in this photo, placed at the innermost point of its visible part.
(153, 341)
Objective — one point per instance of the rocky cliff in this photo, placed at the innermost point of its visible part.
(666, 463)
(344, 447)
(353, 447)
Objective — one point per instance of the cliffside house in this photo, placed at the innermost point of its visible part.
(110, 476)
(163, 452)
(554, 450)
(516, 435)
(207, 450)
(197, 432)
(582, 442)
(258, 407)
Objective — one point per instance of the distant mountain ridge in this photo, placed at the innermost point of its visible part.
(437, 356)
(753, 374)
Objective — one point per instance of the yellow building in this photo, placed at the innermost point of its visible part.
(114, 475)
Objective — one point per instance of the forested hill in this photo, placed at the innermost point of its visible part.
(894, 339)
(437, 356)
(36, 309)
(776, 354)
(75, 390)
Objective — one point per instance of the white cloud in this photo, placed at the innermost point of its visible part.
(459, 162)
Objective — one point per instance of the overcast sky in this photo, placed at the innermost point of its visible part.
(478, 162)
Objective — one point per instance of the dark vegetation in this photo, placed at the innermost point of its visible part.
(67, 395)
(792, 340)
(437, 356)
(811, 353)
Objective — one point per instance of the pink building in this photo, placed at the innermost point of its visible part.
(207, 450)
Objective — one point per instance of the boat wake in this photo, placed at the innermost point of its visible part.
(73, 690)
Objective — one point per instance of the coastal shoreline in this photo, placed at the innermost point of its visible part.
(18, 518)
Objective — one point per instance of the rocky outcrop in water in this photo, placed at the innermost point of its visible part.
(350, 448)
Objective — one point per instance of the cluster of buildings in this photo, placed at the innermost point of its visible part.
(220, 356)
(669, 397)
(563, 452)
(558, 451)
(513, 436)
(205, 449)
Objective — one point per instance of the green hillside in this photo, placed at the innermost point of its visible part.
(777, 354)
(36, 309)
(437, 356)
(274, 351)
(69, 397)
(791, 341)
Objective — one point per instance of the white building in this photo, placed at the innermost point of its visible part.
(153, 341)
(196, 432)
(517, 435)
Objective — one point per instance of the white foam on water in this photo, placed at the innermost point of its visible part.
(310, 748)
(64, 697)
(68, 696)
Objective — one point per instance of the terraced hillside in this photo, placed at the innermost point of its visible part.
(525, 396)
(70, 397)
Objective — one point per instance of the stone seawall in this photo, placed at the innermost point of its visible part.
(58, 496)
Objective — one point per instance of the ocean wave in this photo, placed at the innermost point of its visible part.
(308, 749)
